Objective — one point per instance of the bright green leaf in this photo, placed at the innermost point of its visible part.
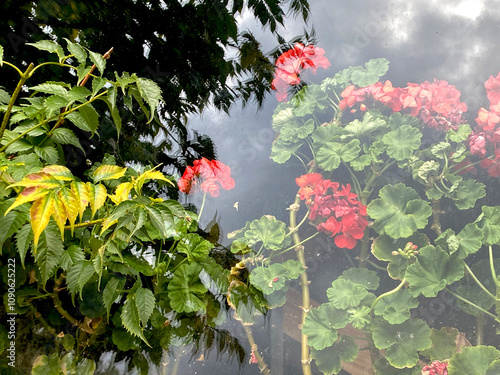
(489, 223)
(185, 289)
(444, 344)
(195, 247)
(151, 93)
(475, 360)
(269, 279)
(77, 51)
(321, 325)
(98, 60)
(145, 301)
(331, 154)
(395, 308)
(131, 318)
(362, 276)
(329, 360)
(402, 142)
(66, 137)
(344, 293)
(49, 251)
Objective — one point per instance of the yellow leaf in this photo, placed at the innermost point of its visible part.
(40, 213)
(28, 195)
(71, 205)
(122, 192)
(40, 179)
(108, 172)
(97, 196)
(81, 193)
(150, 175)
(59, 214)
(58, 171)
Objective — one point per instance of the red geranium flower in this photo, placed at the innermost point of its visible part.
(206, 175)
(436, 368)
(492, 86)
(291, 63)
(332, 210)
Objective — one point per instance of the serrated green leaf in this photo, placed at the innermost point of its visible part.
(294, 268)
(433, 270)
(55, 103)
(268, 230)
(321, 325)
(51, 88)
(49, 251)
(4, 96)
(77, 51)
(74, 254)
(331, 154)
(402, 142)
(309, 100)
(78, 275)
(78, 93)
(329, 360)
(402, 341)
(344, 293)
(48, 153)
(108, 172)
(185, 289)
(131, 318)
(49, 46)
(112, 291)
(145, 301)
(123, 340)
(97, 84)
(151, 93)
(477, 360)
(366, 278)
(98, 60)
(90, 116)
(24, 238)
(66, 137)
(10, 224)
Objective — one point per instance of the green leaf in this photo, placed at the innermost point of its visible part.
(433, 270)
(294, 130)
(24, 238)
(382, 367)
(55, 103)
(77, 51)
(467, 193)
(4, 96)
(329, 360)
(74, 254)
(48, 153)
(321, 325)
(428, 169)
(396, 120)
(111, 292)
(399, 212)
(402, 341)
(402, 142)
(185, 289)
(477, 360)
(443, 344)
(90, 116)
(344, 293)
(97, 84)
(131, 318)
(10, 224)
(268, 230)
(78, 275)
(366, 278)
(49, 251)
(145, 301)
(467, 242)
(331, 154)
(395, 308)
(282, 151)
(460, 135)
(489, 223)
(98, 60)
(123, 340)
(327, 133)
(78, 93)
(49, 46)
(294, 268)
(151, 93)
(371, 123)
(359, 317)
(309, 100)
(247, 306)
(66, 137)
(195, 247)
(51, 88)
(91, 304)
(374, 69)
(269, 279)
(43, 365)
(138, 264)
(108, 172)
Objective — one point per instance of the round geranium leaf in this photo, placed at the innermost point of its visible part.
(246, 304)
(402, 142)
(276, 299)
(383, 367)
(267, 230)
(373, 70)
(399, 212)
(402, 341)
(283, 114)
(281, 150)
(467, 193)
(327, 133)
(269, 279)
(444, 344)
(467, 242)
(362, 276)
(331, 154)
(195, 247)
(294, 268)
(296, 129)
(459, 135)
(372, 121)
(395, 308)
(489, 223)
(359, 317)
(329, 360)
(185, 290)
(433, 271)
(477, 360)
(310, 99)
(396, 120)
(345, 293)
(321, 325)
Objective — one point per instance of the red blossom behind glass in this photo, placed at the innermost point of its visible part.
(291, 63)
(332, 210)
(436, 368)
(206, 175)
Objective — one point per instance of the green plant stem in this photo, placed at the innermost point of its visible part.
(85, 224)
(300, 243)
(15, 67)
(436, 212)
(304, 282)
(401, 284)
(472, 304)
(202, 206)
(480, 323)
(24, 77)
(255, 350)
(474, 277)
(492, 266)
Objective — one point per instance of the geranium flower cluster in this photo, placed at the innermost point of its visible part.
(332, 209)
(436, 368)
(487, 133)
(206, 175)
(437, 104)
(291, 63)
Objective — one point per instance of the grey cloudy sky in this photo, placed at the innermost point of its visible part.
(452, 40)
